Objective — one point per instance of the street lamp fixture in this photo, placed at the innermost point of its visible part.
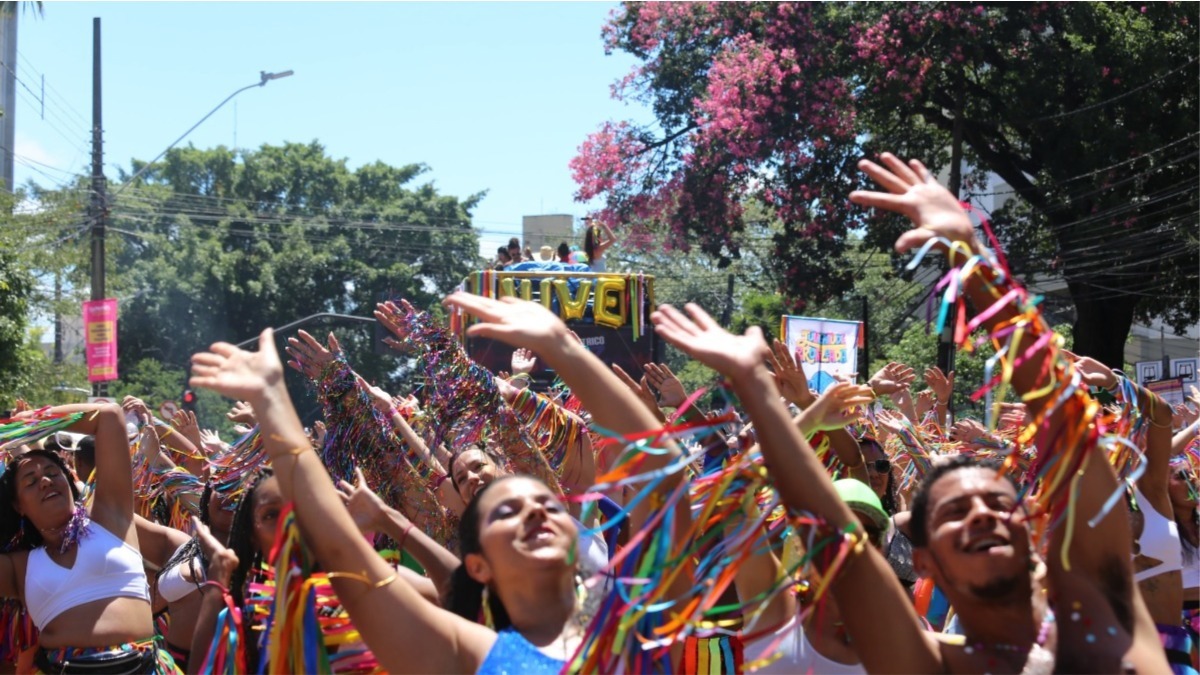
(264, 76)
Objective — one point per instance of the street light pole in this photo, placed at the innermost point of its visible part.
(100, 200)
(265, 78)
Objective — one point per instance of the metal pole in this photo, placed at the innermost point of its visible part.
(8, 92)
(99, 207)
(864, 368)
(727, 314)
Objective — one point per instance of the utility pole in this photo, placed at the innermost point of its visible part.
(99, 207)
(864, 368)
(8, 90)
(727, 314)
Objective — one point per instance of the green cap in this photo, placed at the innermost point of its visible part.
(862, 499)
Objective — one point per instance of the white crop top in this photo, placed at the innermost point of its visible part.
(1159, 540)
(105, 567)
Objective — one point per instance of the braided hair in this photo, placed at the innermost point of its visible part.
(191, 553)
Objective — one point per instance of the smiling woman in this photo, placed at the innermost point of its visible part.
(79, 572)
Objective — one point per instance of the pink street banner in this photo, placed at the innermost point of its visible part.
(100, 328)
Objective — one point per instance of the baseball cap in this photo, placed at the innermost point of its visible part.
(546, 253)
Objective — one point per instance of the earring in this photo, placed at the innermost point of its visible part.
(487, 610)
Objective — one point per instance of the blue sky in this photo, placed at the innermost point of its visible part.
(491, 96)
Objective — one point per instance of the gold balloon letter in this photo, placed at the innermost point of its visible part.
(572, 308)
(610, 294)
(545, 287)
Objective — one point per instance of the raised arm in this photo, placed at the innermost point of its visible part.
(113, 501)
(433, 640)
(867, 592)
(1064, 416)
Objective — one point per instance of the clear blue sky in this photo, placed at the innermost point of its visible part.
(491, 96)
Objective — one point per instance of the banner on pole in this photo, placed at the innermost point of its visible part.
(100, 330)
(822, 347)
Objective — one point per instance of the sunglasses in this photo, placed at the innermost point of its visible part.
(880, 465)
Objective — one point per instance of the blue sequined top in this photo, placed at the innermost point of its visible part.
(513, 654)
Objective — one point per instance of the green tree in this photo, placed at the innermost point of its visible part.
(1087, 110)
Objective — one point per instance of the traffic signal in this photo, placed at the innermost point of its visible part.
(189, 400)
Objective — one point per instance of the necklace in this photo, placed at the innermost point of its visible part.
(75, 529)
(1038, 659)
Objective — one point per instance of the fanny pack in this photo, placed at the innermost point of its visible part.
(135, 662)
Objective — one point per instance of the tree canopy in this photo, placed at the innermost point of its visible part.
(1086, 110)
(216, 244)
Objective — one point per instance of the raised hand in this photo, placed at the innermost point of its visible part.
(318, 433)
(1095, 374)
(698, 336)
(890, 421)
(236, 373)
(395, 316)
(211, 442)
(513, 321)
(132, 404)
(185, 423)
(367, 509)
(891, 378)
(221, 561)
(925, 403)
(942, 386)
(670, 390)
(1013, 415)
(967, 431)
(310, 356)
(523, 361)
(832, 409)
(640, 389)
(242, 413)
(914, 192)
(789, 376)
(1184, 415)
(379, 398)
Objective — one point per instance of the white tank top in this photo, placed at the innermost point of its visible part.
(796, 655)
(1159, 540)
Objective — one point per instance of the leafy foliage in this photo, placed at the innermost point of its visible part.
(1086, 110)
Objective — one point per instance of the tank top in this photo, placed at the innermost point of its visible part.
(1159, 540)
(512, 654)
(795, 654)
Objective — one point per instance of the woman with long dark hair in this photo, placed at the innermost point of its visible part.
(79, 571)
(526, 540)
(596, 240)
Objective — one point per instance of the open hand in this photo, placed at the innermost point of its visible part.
(310, 356)
(395, 317)
(925, 403)
(641, 390)
(379, 398)
(698, 336)
(239, 374)
(790, 377)
(914, 192)
(185, 423)
(513, 321)
(832, 409)
(242, 413)
(523, 361)
(891, 378)
(670, 390)
(942, 386)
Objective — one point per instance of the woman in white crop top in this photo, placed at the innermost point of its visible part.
(79, 573)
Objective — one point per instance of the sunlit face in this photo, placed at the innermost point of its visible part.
(43, 492)
(522, 526)
(268, 504)
(978, 539)
(473, 470)
(876, 459)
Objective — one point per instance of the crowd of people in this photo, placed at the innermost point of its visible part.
(610, 524)
(596, 241)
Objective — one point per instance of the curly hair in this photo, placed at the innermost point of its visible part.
(13, 536)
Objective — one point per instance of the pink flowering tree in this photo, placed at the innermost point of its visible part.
(1086, 110)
